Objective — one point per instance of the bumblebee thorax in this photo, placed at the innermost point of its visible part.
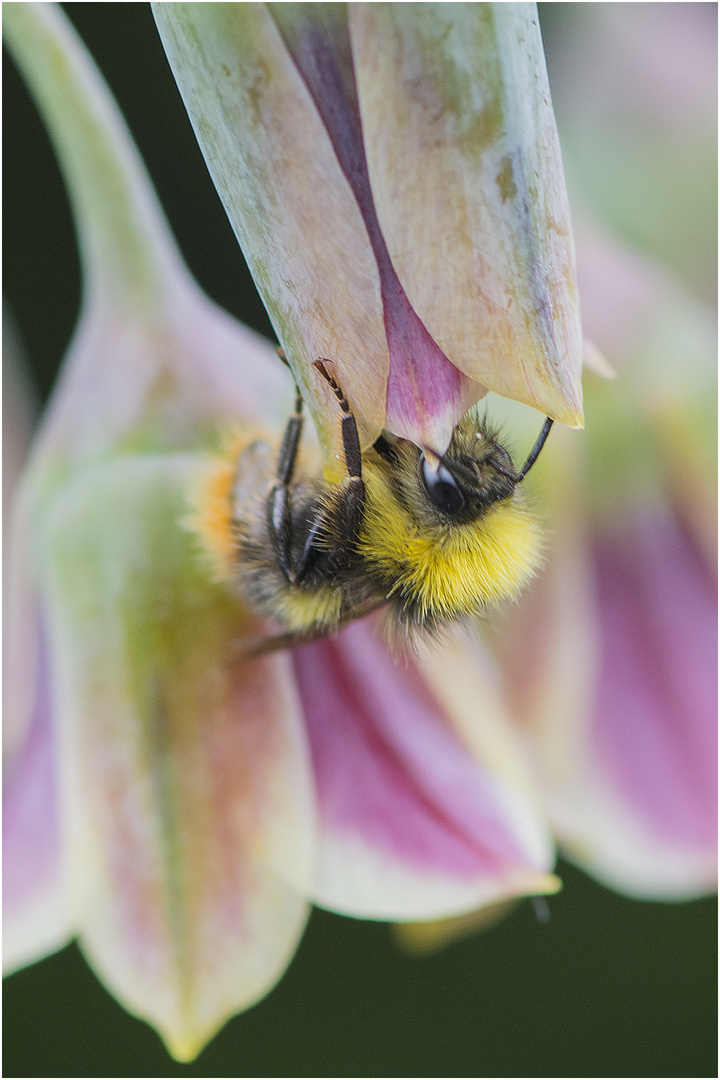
(447, 569)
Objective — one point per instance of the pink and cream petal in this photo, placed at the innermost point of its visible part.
(182, 372)
(149, 344)
(188, 807)
(467, 179)
(300, 227)
(36, 919)
(609, 670)
(654, 732)
(36, 916)
(413, 826)
(664, 344)
(36, 912)
(426, 394)
(21, 612)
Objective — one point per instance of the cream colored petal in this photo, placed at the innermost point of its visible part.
(467, 179)
(38, 928)
(288, 201)
(594, 360)
(424, 807)
(187, 800)
(461, 673)
(168, 382)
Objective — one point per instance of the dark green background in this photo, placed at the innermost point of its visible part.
(609, 987)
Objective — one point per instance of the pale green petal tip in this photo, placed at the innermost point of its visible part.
(548, 885)
(594, 361)
(427, 937)
(186, 1046)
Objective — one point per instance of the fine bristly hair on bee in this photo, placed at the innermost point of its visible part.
(431, 538)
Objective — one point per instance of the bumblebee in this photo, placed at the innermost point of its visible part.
(430, 538)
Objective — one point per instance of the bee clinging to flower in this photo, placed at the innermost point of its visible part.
(432, 538)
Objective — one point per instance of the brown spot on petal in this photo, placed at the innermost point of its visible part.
(504, 180)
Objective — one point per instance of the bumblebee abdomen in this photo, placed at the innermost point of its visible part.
(231, 517)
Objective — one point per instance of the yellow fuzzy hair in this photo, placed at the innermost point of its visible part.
(455, 570)
(211, 505)
(300, 608)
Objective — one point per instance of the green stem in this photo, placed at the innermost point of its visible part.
(127, 251)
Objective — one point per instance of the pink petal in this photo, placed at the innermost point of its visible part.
(426, 394)
(610, 668)
(29, 802)
(35, 914)
(413, 827)
(656, 707)
(36, 917)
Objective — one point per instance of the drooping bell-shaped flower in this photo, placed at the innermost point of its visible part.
(620, 699)
(393, 175)
(133, 815)
(174, 808)
(611, 660)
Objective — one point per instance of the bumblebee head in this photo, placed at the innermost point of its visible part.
(452, 531)
(474, 473)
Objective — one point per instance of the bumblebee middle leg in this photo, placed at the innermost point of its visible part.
(297, 532)
(350, 506)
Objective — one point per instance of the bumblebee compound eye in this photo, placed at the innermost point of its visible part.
(442, 488)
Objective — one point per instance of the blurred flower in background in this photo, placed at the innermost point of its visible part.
(620, 702)
(129, 810)
(633, 93)
(170, 850)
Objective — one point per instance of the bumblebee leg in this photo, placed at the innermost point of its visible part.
(251, 648)
(291, 440)
(351, 441)
(278, 501)
(347, 509)
(352, 504)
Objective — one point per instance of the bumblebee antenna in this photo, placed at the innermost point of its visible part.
(535, 452)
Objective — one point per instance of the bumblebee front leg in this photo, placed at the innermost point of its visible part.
(278, 502)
